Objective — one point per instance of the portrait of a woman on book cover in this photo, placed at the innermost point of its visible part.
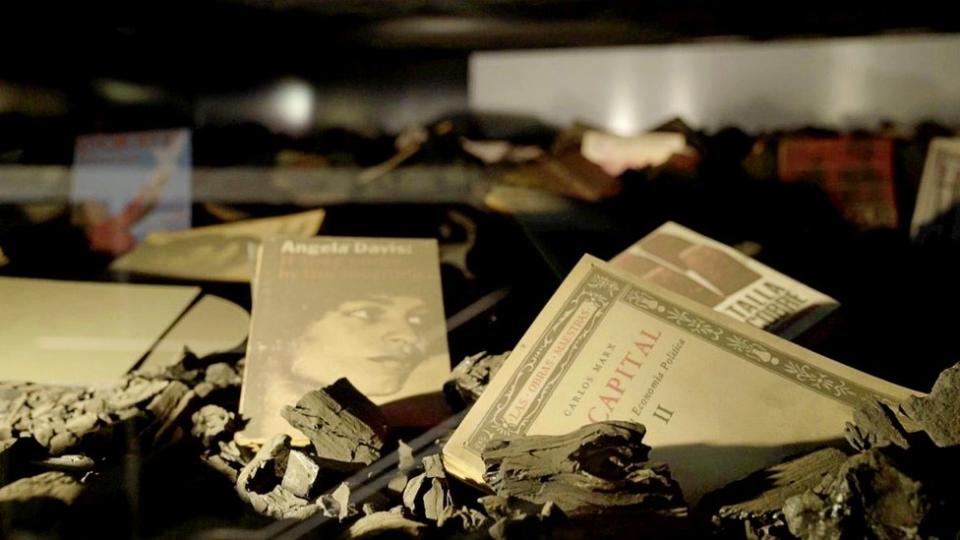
(357, 320)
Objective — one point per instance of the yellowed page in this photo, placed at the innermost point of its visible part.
(214, 253)
(81, 333)
(719, 398)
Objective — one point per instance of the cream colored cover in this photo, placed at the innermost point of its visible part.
(939, 188)
(368, 309)
(719, 398)
(718, 276)
(81, 333)
(214, 253)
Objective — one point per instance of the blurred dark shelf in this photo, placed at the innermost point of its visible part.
(210, 44)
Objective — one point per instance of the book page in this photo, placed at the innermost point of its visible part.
(81, 333)
(213, 253)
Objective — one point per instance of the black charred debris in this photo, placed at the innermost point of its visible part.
(60, 445)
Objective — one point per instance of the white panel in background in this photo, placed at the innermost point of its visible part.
(843, 82)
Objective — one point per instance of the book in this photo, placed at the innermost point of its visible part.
(127, 185)
(939, 191)
(368, 309)
(719, 398)
(721, 277)
(213, 253)
(567, 173)
(616, 154)
(857, 174)
(82, 333)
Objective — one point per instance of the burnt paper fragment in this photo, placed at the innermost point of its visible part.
(301, 475)
(871, 496)
(592, 473)
(939, 412)
(337, 504)
(875, 424)
(470, 377)
(598, 468)
(754, 503)
(510, 517)
(343, 425)
(212, 423)
(384, 525)
(37, 501)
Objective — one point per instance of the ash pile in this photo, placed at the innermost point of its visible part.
(76, 462)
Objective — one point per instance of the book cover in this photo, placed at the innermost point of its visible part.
(857, 174)
(567, 173)
(213, 253)
(127, 185)
(719, 398)
(616, 154)
(726, 280)
(939, 194)
(82, 333)
(368, 309)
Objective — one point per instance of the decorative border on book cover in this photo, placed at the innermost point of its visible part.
(597, 292)
(829, 384)
(604, 290)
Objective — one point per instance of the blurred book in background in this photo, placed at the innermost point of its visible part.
(127, 185)
(935, 213)
(856, 173)
(617, 154)
(567, 173)
(211, 325)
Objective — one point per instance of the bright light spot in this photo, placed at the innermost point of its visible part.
(622, 108)
(292, 104)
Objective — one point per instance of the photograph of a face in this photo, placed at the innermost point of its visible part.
(368, 309)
